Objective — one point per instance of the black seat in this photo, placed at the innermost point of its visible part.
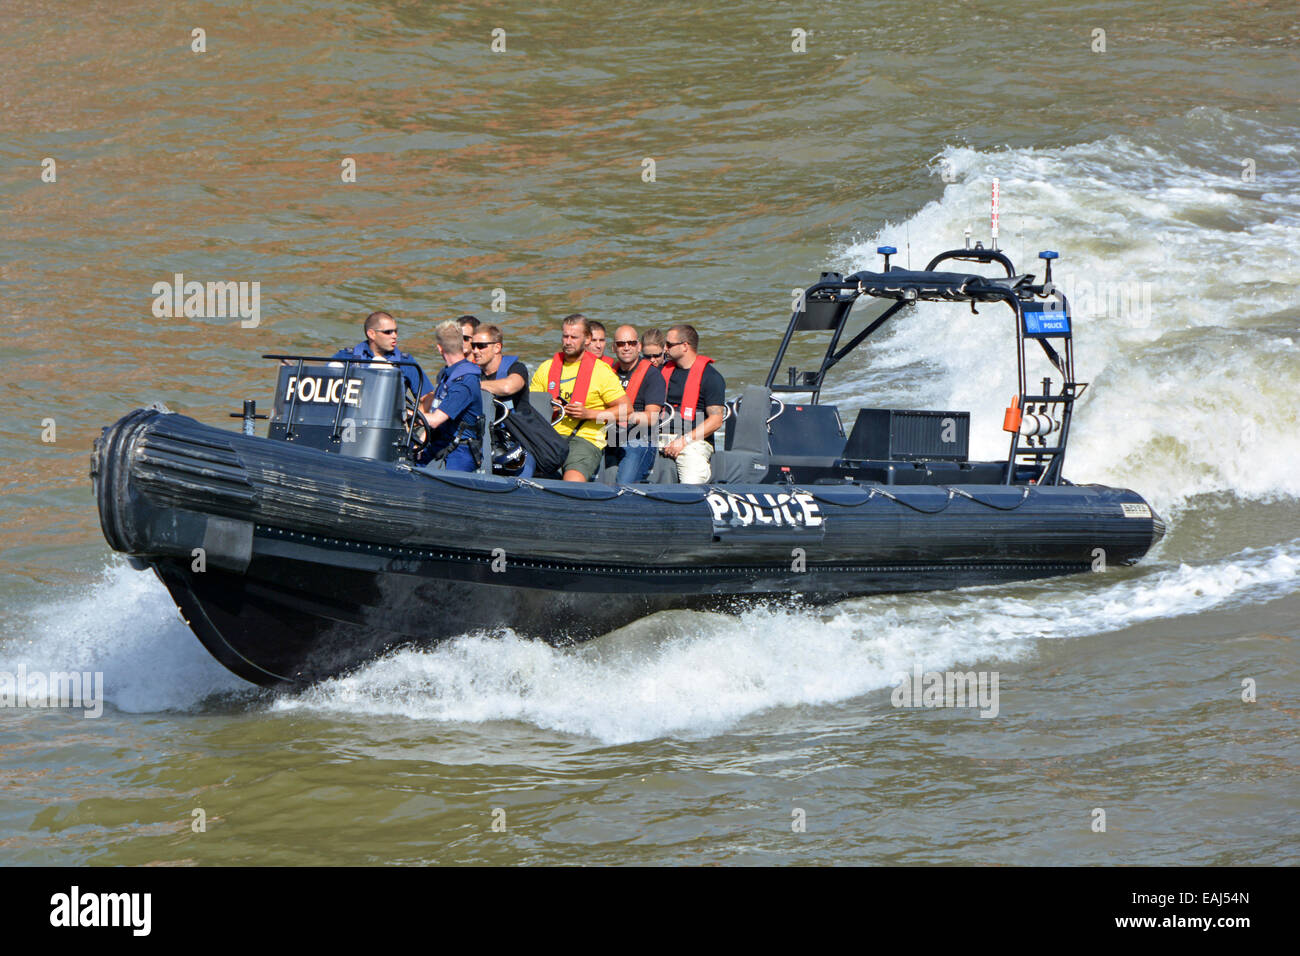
(541, 402)
(744, 459)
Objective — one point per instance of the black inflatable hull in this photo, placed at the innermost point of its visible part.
(292, 565)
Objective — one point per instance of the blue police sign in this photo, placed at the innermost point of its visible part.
(1045, 319)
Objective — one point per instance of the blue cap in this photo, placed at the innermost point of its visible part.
(1049, 254)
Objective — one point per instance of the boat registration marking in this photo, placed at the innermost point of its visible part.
(1136, 511)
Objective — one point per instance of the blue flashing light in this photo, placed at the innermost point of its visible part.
(891, 251)
(1049, 254)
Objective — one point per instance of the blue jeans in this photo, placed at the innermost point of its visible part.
(635, 461)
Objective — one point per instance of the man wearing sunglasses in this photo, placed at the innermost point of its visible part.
(468, 326)
(635, 452)
(380, 345)
(698, 391)
(503, 375)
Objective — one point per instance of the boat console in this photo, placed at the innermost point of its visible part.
(355, 408)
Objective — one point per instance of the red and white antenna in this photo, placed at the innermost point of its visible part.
(993, 216)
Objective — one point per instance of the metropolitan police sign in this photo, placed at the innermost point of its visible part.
(324, 391)
(797, 510)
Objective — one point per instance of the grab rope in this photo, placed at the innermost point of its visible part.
(580, 492)
(1024, 493)
(907, 504)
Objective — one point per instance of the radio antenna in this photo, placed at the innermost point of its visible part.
(993, 215)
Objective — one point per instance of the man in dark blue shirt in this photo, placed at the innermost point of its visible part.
(381, 346)
(457, 407)
(635, 451)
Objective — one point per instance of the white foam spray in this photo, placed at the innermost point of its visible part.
(126, 626)
(691, 675)
(1194, 395)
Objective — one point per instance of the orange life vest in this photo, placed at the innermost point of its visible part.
(691, 392)
(586, 365)
(634, 383)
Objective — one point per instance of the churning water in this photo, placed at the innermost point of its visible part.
(1164, 171)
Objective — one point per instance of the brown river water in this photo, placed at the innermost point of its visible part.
(1162, 167)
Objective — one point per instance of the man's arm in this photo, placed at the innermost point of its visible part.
(647, 417)
(459, 397)
(503, 386)
(717, 415)
(609, 391)
(609, 413)
(700, 432)
(652, 395)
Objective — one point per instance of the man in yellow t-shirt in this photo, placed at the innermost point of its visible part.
(591, 393)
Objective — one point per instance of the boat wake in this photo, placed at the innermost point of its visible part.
(1182, 291)
(674, 674)
(693, 675)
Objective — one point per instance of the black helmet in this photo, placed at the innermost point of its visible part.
(507, 455)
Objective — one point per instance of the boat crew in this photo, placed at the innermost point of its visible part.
(503, 375)
(652, 346)
(591, 395)
(457, 404)
(597, 346)
(380, 345)
(468, 325)
(698, 391)
(635, 453)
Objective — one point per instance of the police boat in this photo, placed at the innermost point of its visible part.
(300, 555)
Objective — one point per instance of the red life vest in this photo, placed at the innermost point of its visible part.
(691, 393)
(586, 365)
(634, 383)
(611, 362)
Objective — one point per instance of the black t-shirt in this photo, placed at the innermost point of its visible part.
(713, 389)
(520, 369)
(652, 386)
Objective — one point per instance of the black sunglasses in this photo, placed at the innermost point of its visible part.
(652, 355)
(482, 345)
(673, 345)
(626, 344)
(392, 331)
